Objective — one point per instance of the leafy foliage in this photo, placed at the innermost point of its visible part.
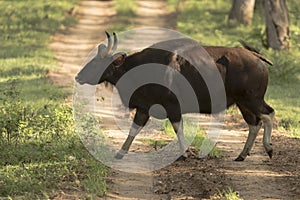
(21, 123)
(40, 151)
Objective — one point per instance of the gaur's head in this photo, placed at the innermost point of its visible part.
(104, 66)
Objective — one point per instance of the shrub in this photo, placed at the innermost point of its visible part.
(22, 122)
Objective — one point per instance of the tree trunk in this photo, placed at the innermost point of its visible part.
(241, 12)
(277, 24)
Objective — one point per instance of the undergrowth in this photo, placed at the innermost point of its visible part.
(40, 152)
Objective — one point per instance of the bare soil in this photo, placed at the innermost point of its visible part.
(257, 177)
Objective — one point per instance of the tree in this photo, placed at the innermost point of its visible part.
(241, 12)
(277, 24)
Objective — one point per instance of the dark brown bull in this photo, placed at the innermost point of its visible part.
(244, 76)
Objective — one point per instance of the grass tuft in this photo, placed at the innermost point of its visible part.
(195, 135)
(228, 194)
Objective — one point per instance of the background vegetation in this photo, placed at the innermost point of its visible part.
(206, 21)
(40, 153)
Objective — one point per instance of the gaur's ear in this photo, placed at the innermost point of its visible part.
(119, 58)
(102, 51)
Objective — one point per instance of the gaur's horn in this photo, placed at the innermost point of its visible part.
(114, 48)
(109, 45)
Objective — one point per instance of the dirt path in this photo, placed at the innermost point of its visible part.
(71, 48)
(259, 177)
(256, 178)
(131, 185)
(71, 51)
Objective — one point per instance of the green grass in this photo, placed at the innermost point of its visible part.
(228, 194)
(126, 11)
(40, 152)
(206, 21)
(156, 144)
(193, 134)
(125, 8)
(173, 5)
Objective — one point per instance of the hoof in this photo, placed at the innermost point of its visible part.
(270, 153)
(181, 158)
(119, 156)
(239, 159)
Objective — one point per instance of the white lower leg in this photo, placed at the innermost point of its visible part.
(253, 131)
(268, 124)
(178, 128)
(134, 130)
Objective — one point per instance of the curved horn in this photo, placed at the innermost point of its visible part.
(109, 45)
(114, 48)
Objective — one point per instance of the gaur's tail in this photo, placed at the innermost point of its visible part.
(255, 52)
